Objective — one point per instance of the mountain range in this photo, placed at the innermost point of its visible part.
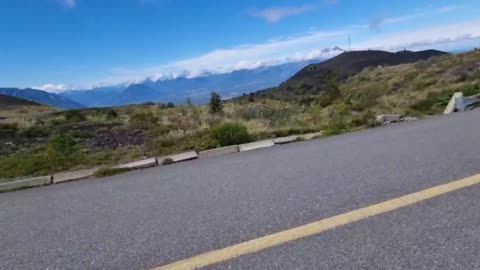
(291, 79)
(178, 89)
(42, 97)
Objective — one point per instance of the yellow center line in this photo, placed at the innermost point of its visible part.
(262, 243)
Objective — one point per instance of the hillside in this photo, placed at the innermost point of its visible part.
(9, 101)
(16, 110)
(41, 97)
(102, 136)
(311, 79)
(422, 88)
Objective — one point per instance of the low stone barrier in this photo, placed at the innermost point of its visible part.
(255, 145)
(141, 164)
(388, 118)
(184, 156)
(310, 136)
(71, 176)
(285, 140)
(26, 183)
(151, 162)
(455, 103)
(219, 151)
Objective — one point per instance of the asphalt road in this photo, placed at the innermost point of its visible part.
(158, 216)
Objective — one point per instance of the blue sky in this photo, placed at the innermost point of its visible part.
(63, 44)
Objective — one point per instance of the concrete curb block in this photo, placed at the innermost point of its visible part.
(255, 145)
(285, 140)
(151, 162)
(140, 164)
(219, 151)
(26, 183)
(71, 176)
(310, 136)
(182, 157)
(455, 103)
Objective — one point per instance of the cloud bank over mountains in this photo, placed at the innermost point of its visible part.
(302, 47)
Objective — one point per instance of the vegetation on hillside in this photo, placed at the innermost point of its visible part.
(66, 140)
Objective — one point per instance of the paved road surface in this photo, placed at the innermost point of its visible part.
(158, 216)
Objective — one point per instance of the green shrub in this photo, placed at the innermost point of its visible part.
(30, 162)
(160, 130)
(470, 90)
(337, 123)
(143, 120)
(75, 116)
(62, 151)
(367, 119)
(166, 141)
(8, 126)
(330, 93)
(35, 131)
(112, 114)
(230, 134)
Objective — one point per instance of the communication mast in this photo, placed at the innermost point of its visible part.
(349, 43)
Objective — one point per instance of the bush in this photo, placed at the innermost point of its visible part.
(8, 126)
(368, 119)
(75, 116)
(35, 131)
(330, 93)
(337, 123)
(62, 151)
(30, 162)
(143, 120)
(112, 114)
(230, 134)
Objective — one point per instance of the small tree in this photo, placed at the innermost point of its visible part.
(111, 114)
(170, 105)
(189, 101)
(251, 97)
(216, 103)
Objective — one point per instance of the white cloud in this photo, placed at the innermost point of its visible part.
(378, 21)
(248, 56)
(305, 47)
(68, 3)
(54, 88)
(275, 14)
(298, 48)
(429, 36)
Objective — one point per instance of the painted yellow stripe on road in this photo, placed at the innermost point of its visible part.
(259, 244)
